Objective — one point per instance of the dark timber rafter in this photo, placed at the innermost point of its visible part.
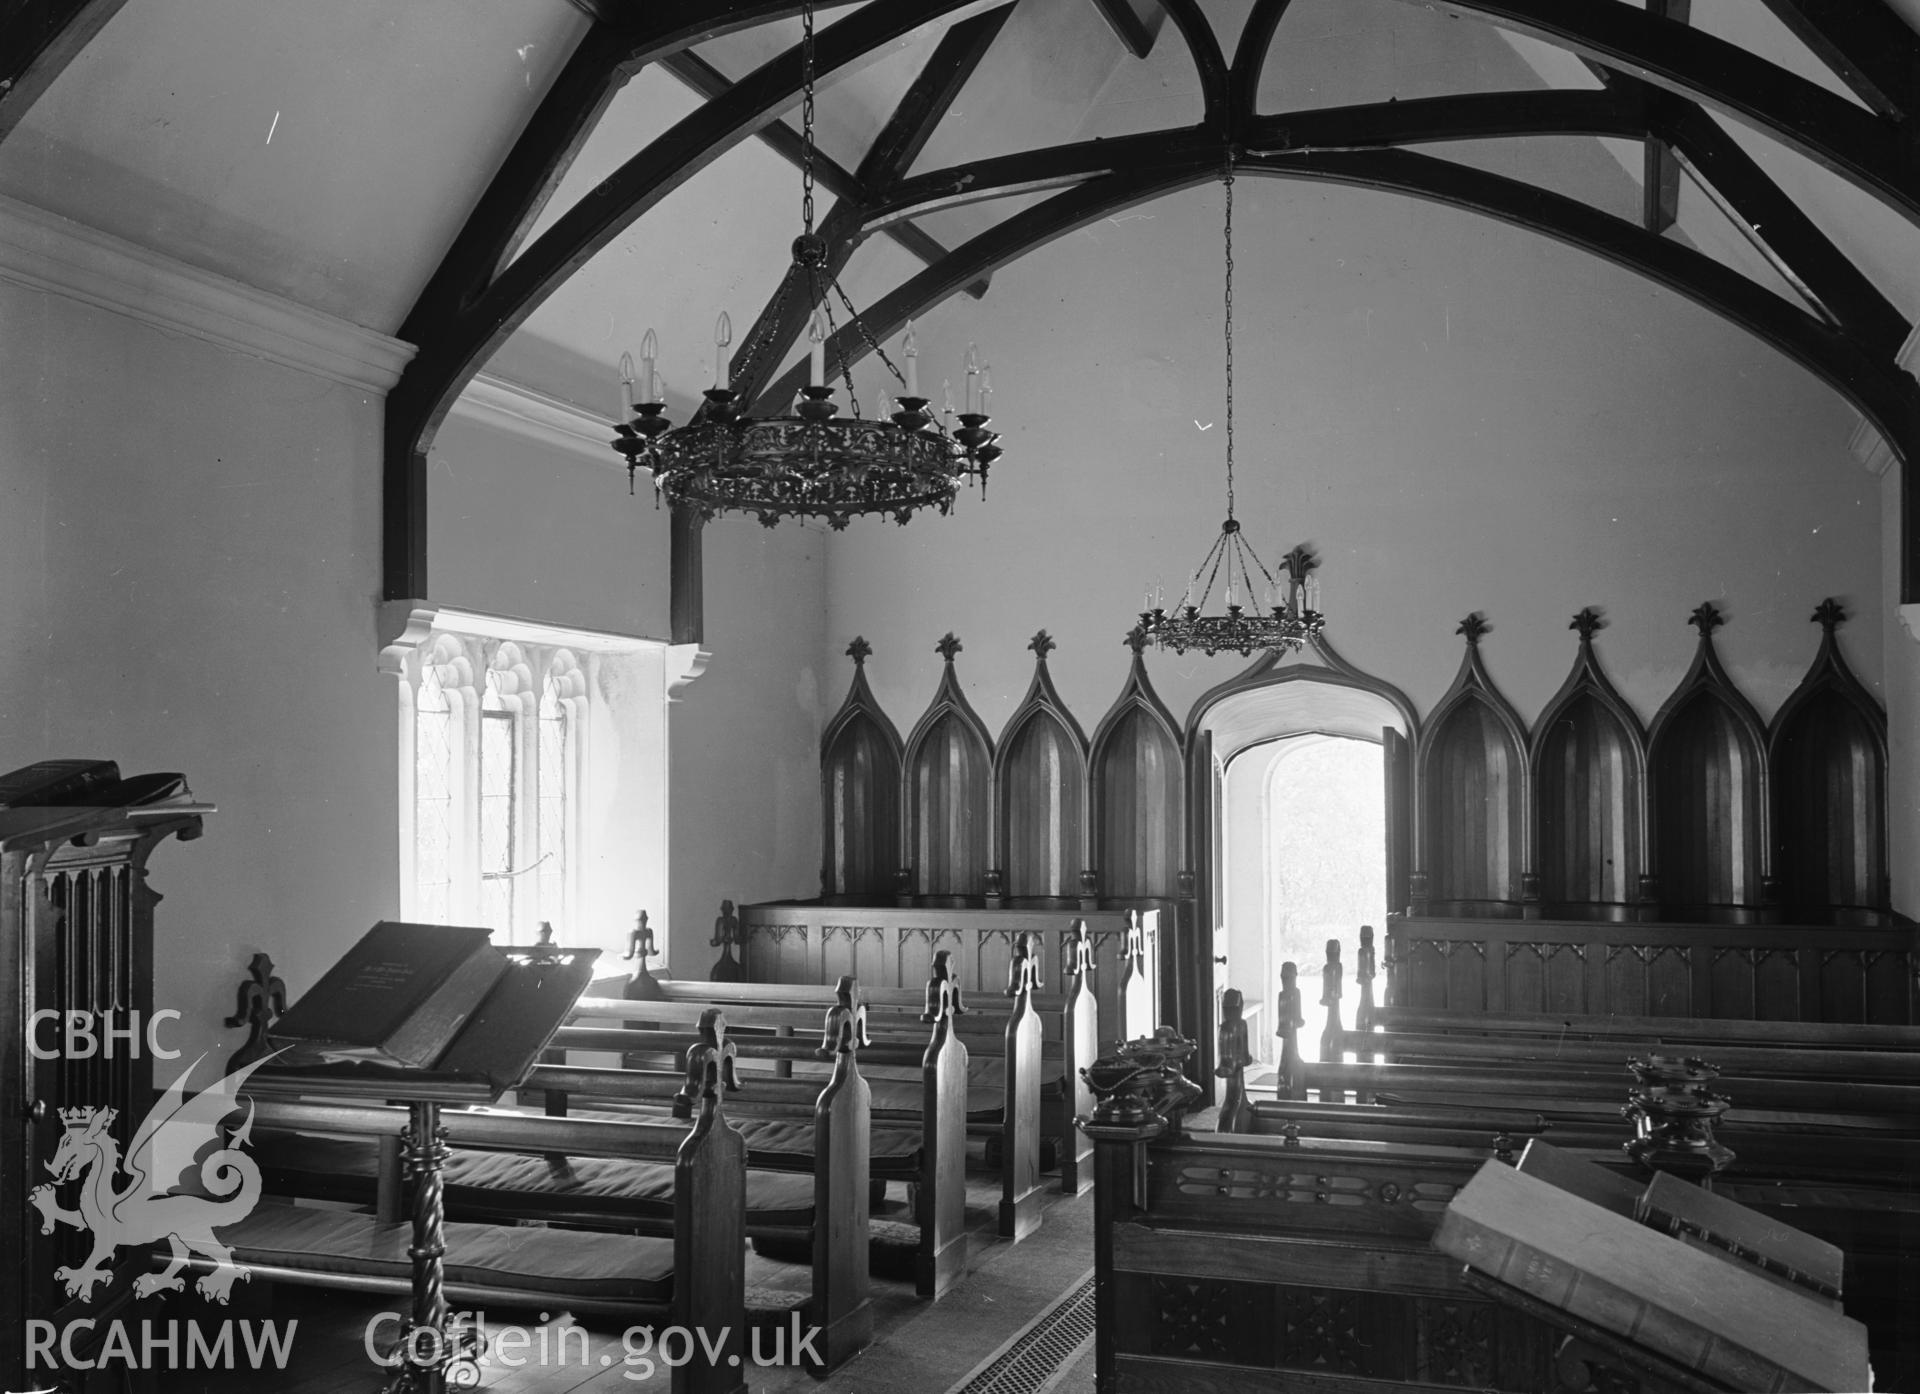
(915, 117)
(1867, 47)
(1866, 378)
(1660, 73)
(783, 140)
(1660, 167)
(38, 38)
(470, 308)
(1877, 154)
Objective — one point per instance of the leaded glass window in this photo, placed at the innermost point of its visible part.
(433, 813)
(499, 780)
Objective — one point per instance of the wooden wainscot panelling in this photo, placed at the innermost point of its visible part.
(859, 793)
(1738, 971)
(1040, 792)
(949, 777)
(1589, 762)
(1827, 756)
(1473, 783)
(1138, 791)
(1706, 759)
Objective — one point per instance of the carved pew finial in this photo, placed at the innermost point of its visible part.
(1292, 1083)
(846, 1025)
(639, 942)
(943, 993)
(1364, 972)
(711, 1065)
(726, 934)
(1234, 1057)
(1332, 988)
(1023, 969)
(1076, 960)
(262, 998)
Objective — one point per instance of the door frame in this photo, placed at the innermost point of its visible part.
(1327, 668)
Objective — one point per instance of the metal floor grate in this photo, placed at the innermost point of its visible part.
(1032, 1361)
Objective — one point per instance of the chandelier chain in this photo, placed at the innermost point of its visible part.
(806, 116)
(1229, 332)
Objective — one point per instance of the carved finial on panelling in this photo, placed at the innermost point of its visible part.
(1042, 644)
(1301, 563)
(1589, 623)
(1136, 640)
(1706, 618)
(1830, 614)
(1473, 626)
(948, 646)
(858, 650)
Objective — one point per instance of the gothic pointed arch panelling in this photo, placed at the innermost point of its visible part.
(949, 774)
(860, 792)
(1137, 790)
(1706, 767)
(1473, 782)
(1040, 791)
(1827, 757)
(1589, 765)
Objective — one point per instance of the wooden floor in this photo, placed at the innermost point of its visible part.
(926, 1347)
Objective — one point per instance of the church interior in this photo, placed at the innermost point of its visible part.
(365, 377)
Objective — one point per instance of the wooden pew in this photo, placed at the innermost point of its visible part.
(1018, 1123)
(1069, 1029)
(696, 1280)
(937, 1175)
(893, 947)
(623, 1196)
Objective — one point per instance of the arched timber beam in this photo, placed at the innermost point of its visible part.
(1209, 63)
(1469, 116)
(1871, 382)
(1250, 56)
(38, 38)
(1032, 227)
(1879, 155)
(915, 117)
(458, 332)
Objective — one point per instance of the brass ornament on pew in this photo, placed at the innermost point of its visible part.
(1142, 1088)
(1673, 1110)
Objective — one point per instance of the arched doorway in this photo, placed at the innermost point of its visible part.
(1277, 734)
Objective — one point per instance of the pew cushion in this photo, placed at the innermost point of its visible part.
(478, 1180)
(891, 1152)
(614, 1267)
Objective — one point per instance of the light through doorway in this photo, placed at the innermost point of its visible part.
(1305, 862)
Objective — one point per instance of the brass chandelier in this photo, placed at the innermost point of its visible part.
(814, 462)
(1273, 619)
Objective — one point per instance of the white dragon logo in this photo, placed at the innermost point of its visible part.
(151, 1207)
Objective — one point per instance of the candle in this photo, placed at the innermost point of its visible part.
(722, 337)
(649, 353)
(817, 355)
(986, 390)
(886, 406)
(910, 350)
(626, 386)
(973, 379)
(946, 390)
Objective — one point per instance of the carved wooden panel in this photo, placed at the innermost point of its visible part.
(859, 951)
(949, 764)
(1040, 790)
(1828, 754)
(1589, 773)
(1546, 976)
(860, 792)
(776, 953)
(1473, 780)
(1138, 791)
(1707, 766)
